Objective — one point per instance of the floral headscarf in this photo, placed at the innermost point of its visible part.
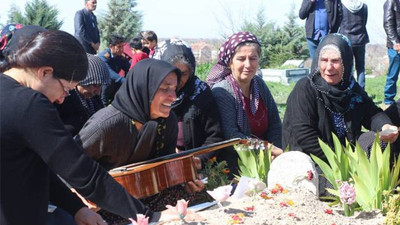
(221, 71)
(6, 34)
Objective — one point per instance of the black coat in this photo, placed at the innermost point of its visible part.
(306, 119)
(307, 11)
(353, 25)
(73, 113)
(391, 21)
(86, 30)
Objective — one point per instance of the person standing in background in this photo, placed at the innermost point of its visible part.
(322, 17)
(353, 25)
(149, 40)
(85, 24)
(115, 61)
(391, 20)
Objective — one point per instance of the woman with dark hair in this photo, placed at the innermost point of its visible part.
(330, 101)
(35, 145)
(246, 106)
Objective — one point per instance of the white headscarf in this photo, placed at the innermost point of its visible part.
(353, 5)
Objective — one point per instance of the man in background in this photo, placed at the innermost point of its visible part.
(322, 17)
(115, 62)
(86, 30)
(391, 23)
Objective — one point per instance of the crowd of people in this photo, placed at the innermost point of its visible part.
(67, 121)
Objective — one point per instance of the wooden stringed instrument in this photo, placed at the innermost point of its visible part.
(146, 178)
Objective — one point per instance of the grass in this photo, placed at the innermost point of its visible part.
(374, 88)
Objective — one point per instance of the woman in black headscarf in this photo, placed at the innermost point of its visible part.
(138, 124)
(329, 100)
(198, 116)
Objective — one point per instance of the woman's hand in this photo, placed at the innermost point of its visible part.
(389, 133)
(195, 186)
(85, 216)
(275, 151)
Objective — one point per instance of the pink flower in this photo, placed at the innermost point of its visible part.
(347, 193)
(310, 175)
(140, 220)
(328, 211)
(222, 193)
(180, 208)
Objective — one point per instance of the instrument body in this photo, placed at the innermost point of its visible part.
(149, 177)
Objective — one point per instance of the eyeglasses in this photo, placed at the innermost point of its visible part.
(66, 90)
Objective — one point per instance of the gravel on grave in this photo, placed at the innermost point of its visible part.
(306, 210)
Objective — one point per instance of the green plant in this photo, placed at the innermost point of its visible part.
(202, 70)
(254, 160)
(216, 172)
(391, 207)
(371, 176)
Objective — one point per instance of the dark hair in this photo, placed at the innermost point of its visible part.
(115, 39)
(149, 35)
(136, 43)
(146, 50)
(57, 49)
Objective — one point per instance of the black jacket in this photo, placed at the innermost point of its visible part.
(391, 22)
(353, 25)
(306, 119)
(73, 113)
(333, 9)
(86, 31)
(201, 127)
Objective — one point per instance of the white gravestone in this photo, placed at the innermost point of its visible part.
(291, 170)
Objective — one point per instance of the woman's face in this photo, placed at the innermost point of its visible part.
(330, 66)
(55, 89)
(186, 71)
(164, 97)
(89, 91)
(244, 63)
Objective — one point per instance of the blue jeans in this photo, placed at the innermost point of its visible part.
(312, 46)
(392, 76)
(60, 217)
(359, 56)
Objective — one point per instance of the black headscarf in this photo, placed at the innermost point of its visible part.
(135, 96)
(342, 97)
(170, 49)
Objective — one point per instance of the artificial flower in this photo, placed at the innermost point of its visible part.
(221, 194)
(180, 208)
(140, 220)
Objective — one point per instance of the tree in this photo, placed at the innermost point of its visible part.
(37, 12)
(120, 19)
(278, 44)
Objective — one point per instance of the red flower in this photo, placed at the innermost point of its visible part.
(251, 208)
(328, 211)
(291, 214)
(283, 204)
(274, 191)
(310, 175)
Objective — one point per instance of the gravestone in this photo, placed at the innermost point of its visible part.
(291, 170)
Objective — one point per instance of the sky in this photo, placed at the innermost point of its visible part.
(201, 18)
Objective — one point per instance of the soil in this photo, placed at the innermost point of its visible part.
(306, 209)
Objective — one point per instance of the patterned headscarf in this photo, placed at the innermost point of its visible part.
(221, 71)
(6, 34)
